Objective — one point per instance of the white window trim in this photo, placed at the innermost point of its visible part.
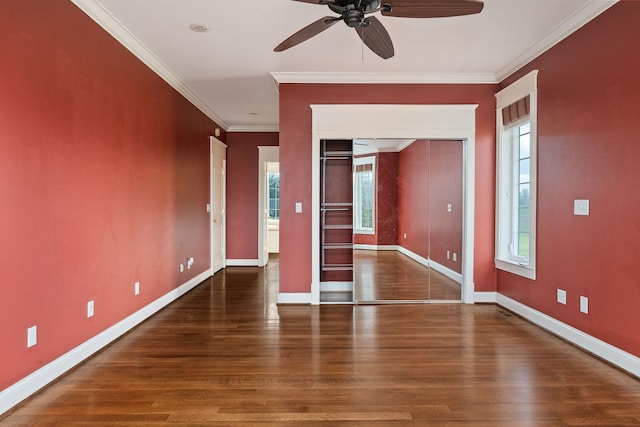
(369, 160)
(525, 86)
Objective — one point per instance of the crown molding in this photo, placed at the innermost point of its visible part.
(573, 23)
(383, 78)
(114, 27)
(254, 128)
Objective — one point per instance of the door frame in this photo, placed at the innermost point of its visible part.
(217, 148)
(266, 154)
(351, 121)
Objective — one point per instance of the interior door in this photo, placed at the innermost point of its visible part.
(265, 215)
(218, 202)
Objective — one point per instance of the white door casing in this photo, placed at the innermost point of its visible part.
(349, 121)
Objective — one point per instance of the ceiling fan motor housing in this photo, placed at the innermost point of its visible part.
(353, 18)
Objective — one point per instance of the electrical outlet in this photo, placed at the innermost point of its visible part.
(584, 305)
(90, 307)
(405, 235)
(32, 336)
(449, 207)
(455, 257)
(581, 207)
(562, 296)
(136, 288)
(181, 268)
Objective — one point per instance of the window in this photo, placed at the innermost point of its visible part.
(274, 195)
(364, 201)
(516, 177)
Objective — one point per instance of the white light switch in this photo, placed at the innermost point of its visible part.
(562, 296)
(90, 308)
(32, 336)
(209, 207)
(584, 305)
(298, 207)
(449, 207)
(581, 207)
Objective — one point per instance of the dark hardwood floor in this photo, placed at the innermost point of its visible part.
(225, 354)
(392, 276)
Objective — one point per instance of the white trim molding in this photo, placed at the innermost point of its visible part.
(453, 275)
(294, 298)
(237, 262)
(588, 12)
(118, 31)
(376, 247)
(611, 354)
(336, 286)
(254, 128)
(383, 78)
(485, 297)
(29, 385)
(414, 256)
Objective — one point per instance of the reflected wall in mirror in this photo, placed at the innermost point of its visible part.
(413, 251)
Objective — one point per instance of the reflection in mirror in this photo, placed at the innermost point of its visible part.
(408, 202)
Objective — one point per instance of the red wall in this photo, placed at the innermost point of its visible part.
(104, 178)
(445, 187)
(386, 216)
(413, 198)
(387, 199)
(588, 130)
(242, 192)
(295, 163)
(429, 178)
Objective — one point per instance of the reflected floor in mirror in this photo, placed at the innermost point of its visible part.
(393, 276)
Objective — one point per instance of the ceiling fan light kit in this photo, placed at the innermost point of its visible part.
(369, 28)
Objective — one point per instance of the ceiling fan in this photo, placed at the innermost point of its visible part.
(369, 28)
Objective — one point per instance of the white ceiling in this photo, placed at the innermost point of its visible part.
(229, 71)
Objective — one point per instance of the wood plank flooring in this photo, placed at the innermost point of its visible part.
(225, 354)
(392, 276)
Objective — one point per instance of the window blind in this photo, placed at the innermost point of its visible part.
(516, 111)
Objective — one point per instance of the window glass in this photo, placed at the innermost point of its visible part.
(516, 177)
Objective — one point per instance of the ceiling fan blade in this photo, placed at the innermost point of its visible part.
(307, 32)
(432, 8)
(376, 37)
(316, 1)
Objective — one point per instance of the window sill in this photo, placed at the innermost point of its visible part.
(517, 269)
(369, 232)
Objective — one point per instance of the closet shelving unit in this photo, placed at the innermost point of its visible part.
(336, 209)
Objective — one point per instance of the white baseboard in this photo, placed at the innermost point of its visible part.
(30, 384)
(336, 286)
(294, 298)
(414, 256)
(376, 247)
(611, 354)
(242, 263)
(453, 275)
(485, 297)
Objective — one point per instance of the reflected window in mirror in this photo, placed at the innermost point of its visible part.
(364, 191)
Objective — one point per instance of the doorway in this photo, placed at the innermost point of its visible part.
(268, 224)
(400, 121)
